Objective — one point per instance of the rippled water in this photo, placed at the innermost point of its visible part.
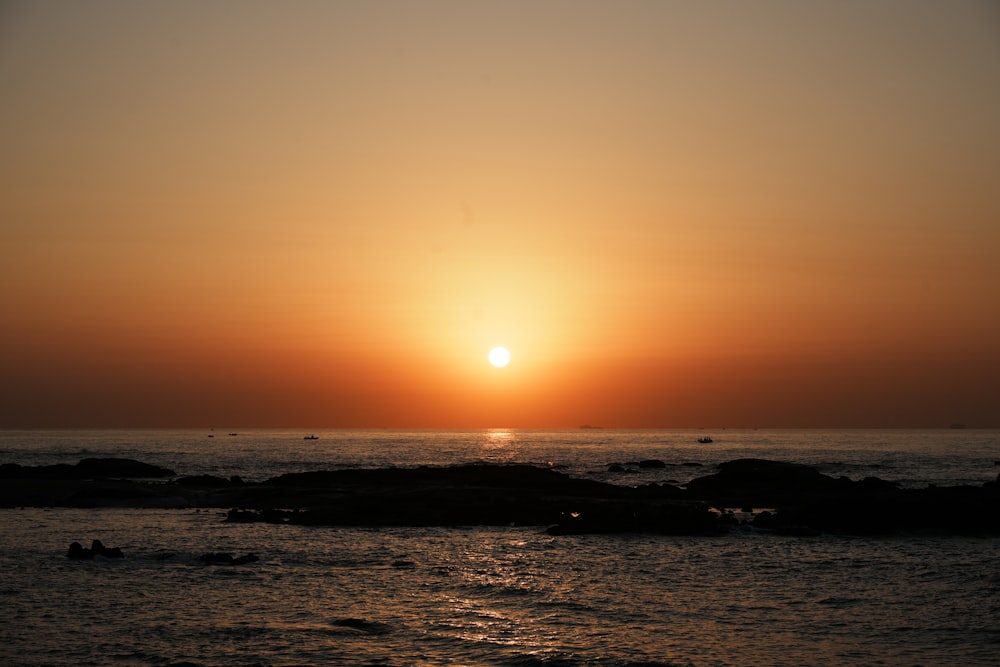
(488, 596)
(914, 457)
(484, 596)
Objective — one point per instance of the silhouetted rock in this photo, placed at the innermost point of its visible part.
(78, 552)
(875, 506)
(108, 552)
(87, 469)
(111, 493)
(11, 471)
(804, 500)
(759, 482)
(112, 467)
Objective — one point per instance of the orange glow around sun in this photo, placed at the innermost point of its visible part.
(331, 226)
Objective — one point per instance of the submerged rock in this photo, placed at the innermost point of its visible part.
(216, 558)
(221, 558)
(363, 626)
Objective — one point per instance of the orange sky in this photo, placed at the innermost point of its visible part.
(673, 213)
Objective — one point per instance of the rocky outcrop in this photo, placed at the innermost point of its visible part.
(808, 502)
(872, 507)
(760, 482)
(91, 468)
(78, 552)
(425, 496)
(800, 499)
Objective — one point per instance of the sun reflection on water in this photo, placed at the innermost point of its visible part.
(500, 446)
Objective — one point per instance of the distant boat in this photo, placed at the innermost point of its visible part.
(311, 437)
(705, 440)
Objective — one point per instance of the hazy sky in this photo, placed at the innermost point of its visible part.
(673, 214)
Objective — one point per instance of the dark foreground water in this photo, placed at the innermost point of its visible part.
(487, 596)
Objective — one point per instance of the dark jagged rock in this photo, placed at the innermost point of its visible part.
(113, 467)
(803, 500)
(952, 510)
(87, 469)
(97, 548)
(760, 482)
(811, 503)
(107, 552)
(11, 471)
(77, 552)
(110, 494)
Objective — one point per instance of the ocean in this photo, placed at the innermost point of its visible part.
(494, 596)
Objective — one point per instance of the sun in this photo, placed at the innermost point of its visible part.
(499, 357)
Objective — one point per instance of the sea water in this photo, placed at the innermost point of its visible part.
(494, 596)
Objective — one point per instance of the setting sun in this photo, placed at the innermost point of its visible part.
(499, 357)
(323, 217)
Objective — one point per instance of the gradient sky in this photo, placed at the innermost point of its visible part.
(674, 214)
